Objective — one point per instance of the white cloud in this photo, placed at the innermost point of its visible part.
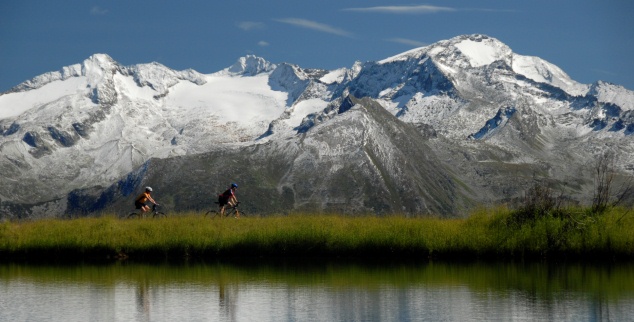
(411, 42)
(98, 11)
(262, 43)
(315, 26)
(403, 9)
(250, 25)
(490, 10)
(604, 72)
(421, 9)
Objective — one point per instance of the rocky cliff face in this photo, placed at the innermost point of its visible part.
(437, 129)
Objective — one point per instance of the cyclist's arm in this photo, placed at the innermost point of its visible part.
(152, 200)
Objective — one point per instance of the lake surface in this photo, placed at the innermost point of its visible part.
(316, 290)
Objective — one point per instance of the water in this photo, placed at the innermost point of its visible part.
(316, 291)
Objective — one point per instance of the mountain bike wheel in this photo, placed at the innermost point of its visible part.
(212, 214)
(232, 213)
(243, 213)
(159, 214)
(133, 215)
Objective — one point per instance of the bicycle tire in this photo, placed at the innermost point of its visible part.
(159, 214)
(232, 213)
(133, 215)
(212, 214)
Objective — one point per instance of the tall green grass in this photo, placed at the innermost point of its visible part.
(486, 233)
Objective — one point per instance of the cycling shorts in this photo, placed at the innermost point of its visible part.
(138, 205)
(222, 200)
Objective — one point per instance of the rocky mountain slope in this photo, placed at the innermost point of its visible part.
(437, 129)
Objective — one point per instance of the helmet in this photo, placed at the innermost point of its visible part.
(148, 189)
(234, 185)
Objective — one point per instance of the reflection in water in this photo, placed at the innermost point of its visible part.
(287, 291)
(143, 301)
(227, 297)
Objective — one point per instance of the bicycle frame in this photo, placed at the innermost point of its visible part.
(229, 211)
(154, 213)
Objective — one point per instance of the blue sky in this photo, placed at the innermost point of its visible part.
(589, 40)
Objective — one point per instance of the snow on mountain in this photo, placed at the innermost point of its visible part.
(92, 123)
(109, 119)
(65, 73)
(335, 76)
(476, 51)
(615, 94)
(542, 71)
(459, 85)
(250, 66)
(233, 109)
(16, 103)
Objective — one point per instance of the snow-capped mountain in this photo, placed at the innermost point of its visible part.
(441, 128)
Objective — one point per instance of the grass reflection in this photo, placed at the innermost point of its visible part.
(540, 279)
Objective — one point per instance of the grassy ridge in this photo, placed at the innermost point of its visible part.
(486, 233)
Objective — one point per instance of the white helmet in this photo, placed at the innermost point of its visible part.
(148, 189)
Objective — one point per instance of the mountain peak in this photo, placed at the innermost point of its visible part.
(251, 65)
(93, 67)
(102, 60)
(466, 51)
(97, 67)
(481, 50)
(611, 93)
(477, 51)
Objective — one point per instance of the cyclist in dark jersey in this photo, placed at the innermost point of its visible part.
(228, 198)
(139, 202)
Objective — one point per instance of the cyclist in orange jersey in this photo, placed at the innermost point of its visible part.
(140, 201)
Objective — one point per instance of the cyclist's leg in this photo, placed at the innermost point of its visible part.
(143, 210)
(232, 208)
(233, 212)
(138, 212)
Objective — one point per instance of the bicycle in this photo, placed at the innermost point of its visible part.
(229, 211)
(155, 213)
